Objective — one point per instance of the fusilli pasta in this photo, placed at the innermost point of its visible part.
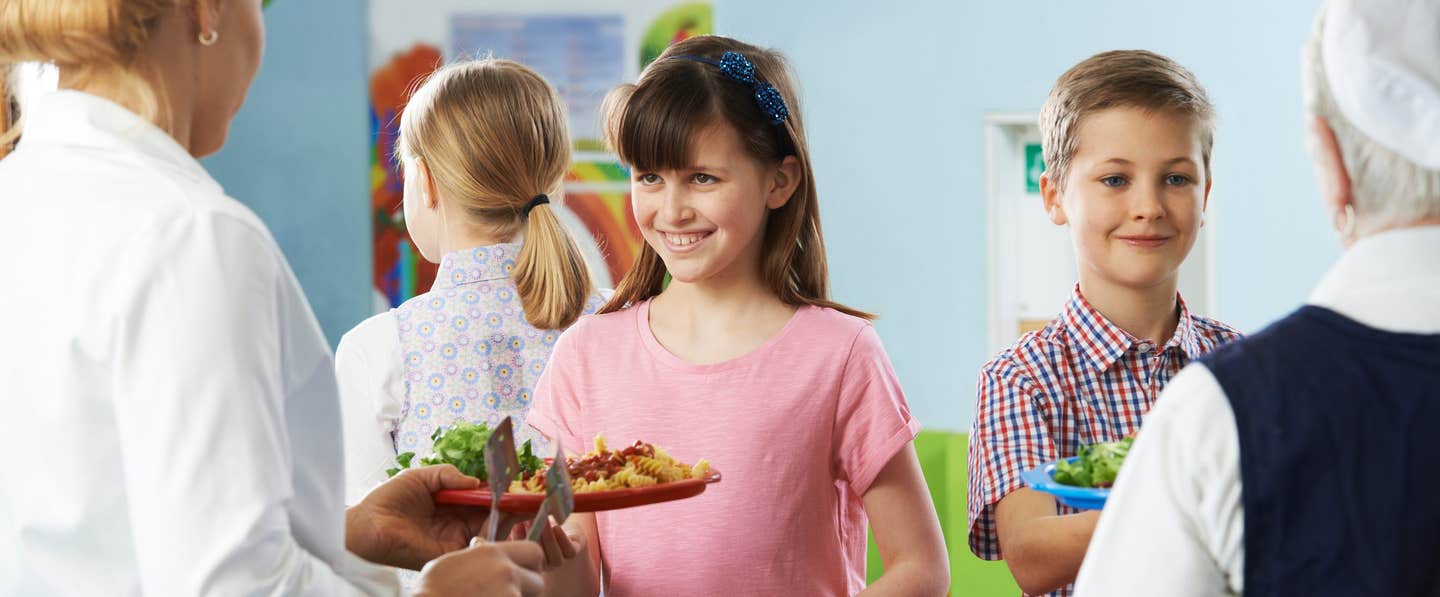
(638, 465)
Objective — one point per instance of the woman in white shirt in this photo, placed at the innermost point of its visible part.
(172, 416)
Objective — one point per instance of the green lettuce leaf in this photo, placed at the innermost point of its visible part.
(1096, 466)
(463, 445)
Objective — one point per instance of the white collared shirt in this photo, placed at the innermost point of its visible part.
(1174, 524)
(172, 418)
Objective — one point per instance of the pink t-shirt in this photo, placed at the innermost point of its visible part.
(798, 428)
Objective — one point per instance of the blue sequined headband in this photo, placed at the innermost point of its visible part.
(736, 66)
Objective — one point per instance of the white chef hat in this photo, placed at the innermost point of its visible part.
(1382, 62)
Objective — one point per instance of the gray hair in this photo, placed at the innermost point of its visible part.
(1389, 190)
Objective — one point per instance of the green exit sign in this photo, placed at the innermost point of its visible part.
(1034, 167)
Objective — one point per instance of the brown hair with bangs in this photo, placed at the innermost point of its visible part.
(1115, 79)
(651, 125)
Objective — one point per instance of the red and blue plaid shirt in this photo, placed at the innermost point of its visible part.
(1081, 380)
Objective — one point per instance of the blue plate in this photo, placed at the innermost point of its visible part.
(1084, 498)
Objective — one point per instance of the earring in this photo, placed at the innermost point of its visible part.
(209, 38)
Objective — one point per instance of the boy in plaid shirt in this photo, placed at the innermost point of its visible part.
(1127, 138)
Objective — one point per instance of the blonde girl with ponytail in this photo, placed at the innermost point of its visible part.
(484, 148)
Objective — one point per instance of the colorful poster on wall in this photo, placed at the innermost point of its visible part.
(583, 48)
(583, 68)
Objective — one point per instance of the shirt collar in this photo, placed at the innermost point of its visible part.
(1102, 342)
(468, 266)
(1389, 281)
(77, 119)
(1187, 337)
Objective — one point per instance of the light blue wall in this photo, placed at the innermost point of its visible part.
(298, 151)
(895, 98)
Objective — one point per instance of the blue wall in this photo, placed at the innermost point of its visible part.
(895, 98)
(298, 152)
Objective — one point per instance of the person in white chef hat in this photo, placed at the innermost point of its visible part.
(1301, 460)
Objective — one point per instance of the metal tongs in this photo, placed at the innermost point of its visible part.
(559, 495)
(502, 465)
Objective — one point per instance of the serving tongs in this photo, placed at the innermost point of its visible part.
(502, 465)
(559, 495)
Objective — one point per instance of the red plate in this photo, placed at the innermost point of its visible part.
(595, 501)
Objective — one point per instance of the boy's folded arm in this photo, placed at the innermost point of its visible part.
(907, 530)
(1043, 550)
(1009, 521)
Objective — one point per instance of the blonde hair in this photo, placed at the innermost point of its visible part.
(1119, 78)
(651, 124)
(92, 42)
(493, 135)
(8, 107)
(1389, 190)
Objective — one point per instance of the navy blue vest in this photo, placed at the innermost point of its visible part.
(1339, 428)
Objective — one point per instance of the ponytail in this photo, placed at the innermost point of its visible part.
(550, 273)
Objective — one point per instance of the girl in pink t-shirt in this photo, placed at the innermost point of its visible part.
(741, 359)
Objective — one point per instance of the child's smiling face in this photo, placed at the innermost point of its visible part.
(707, 221)
(1134, 196)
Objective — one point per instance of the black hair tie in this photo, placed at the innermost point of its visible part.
(538, 200)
